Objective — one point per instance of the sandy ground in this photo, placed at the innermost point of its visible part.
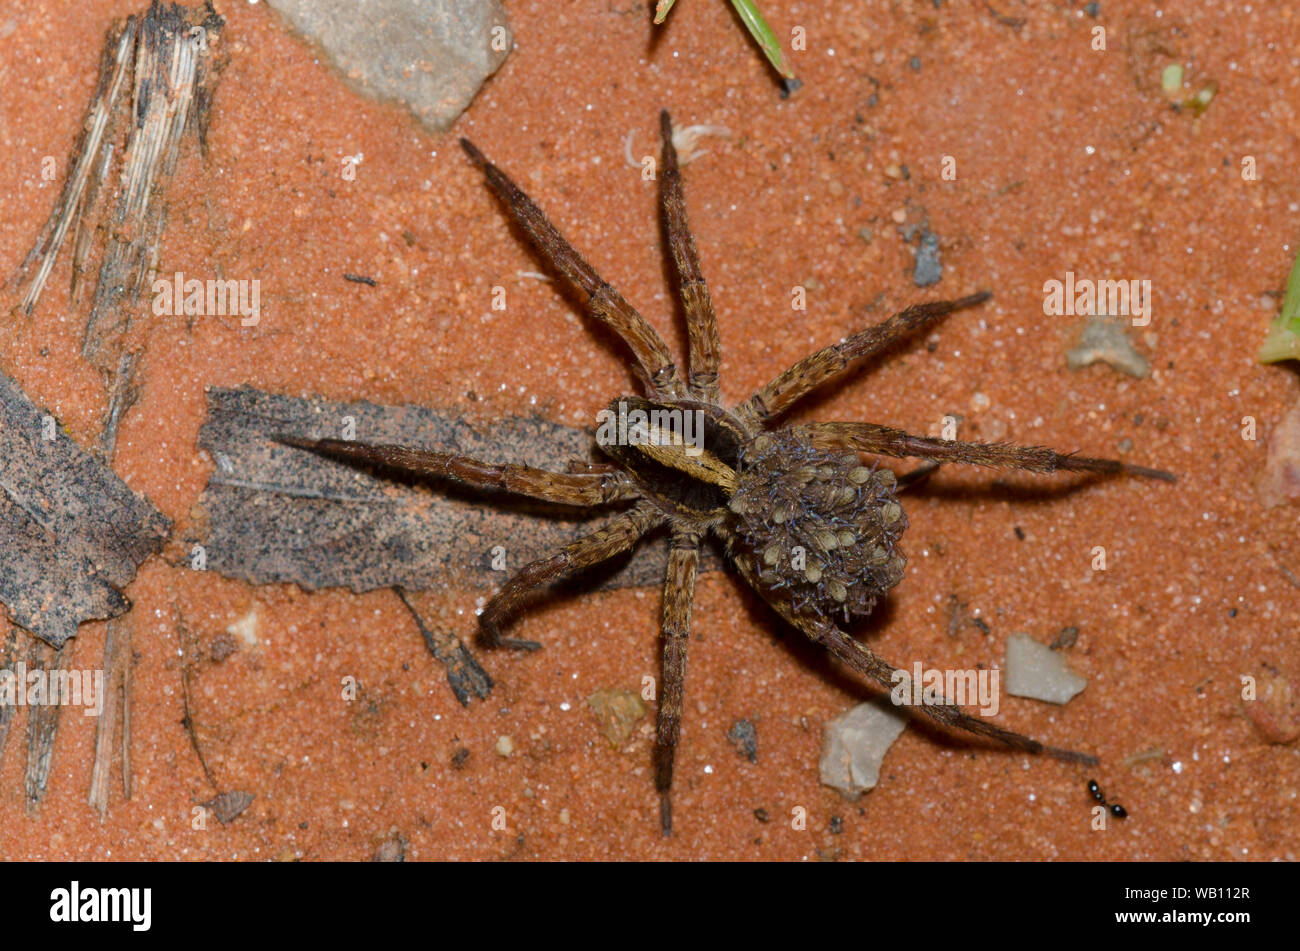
(1067, 159)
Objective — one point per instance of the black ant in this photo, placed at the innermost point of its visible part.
(1115, 808)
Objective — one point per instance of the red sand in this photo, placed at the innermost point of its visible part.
(1067, 159)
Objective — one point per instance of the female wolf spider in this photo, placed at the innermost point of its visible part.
(808, 526)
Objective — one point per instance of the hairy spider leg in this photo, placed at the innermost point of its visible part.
(817, 368)
(565, 488)
(705, 350)
(604, 303)
(865, 661)
(614, 537)
(679, 594)
(884, 441)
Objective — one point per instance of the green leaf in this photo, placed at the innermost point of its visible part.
(762, 34)
(754, 23)
(1171, 80)
(1283, 340)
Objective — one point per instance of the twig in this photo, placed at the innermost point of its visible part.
(7, 655)
(466, 677)
(43, 719)
(114, 704)
(187, 649)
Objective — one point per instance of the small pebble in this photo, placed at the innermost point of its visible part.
(1036, 671)
(855, 743)
(1103, 340)
(743, 736)
(928, 270)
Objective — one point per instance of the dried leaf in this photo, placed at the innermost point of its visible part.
(71, 532)
(275, 513)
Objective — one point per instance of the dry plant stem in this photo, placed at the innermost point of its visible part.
(8, 655)
(114, 67)
(761, 491)
(118, 652)
(168, 68)
(188, 650)
(106, 723)
(128, 666)
(43, 720)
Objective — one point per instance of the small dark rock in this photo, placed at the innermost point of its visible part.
(928, 270)
(744, 737)
(223, 645)
(229, 805)
(1066, 638)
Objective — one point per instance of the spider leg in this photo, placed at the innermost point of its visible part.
(614, 537)
(865, 661)
(882, 440)
(701, 324)
(816, 368)
(603, 301)
(587, 466)
(679, 593)
(567, 488)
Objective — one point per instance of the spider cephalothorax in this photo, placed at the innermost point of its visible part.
(806, 524)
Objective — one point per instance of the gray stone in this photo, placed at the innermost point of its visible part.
(1036, 671)
(929, 269)
(432, 55)
(743, 736)
(855, 743)
(229, 806)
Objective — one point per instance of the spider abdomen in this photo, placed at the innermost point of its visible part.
(821, 527)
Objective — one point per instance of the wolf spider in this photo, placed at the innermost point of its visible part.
(809, 527)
